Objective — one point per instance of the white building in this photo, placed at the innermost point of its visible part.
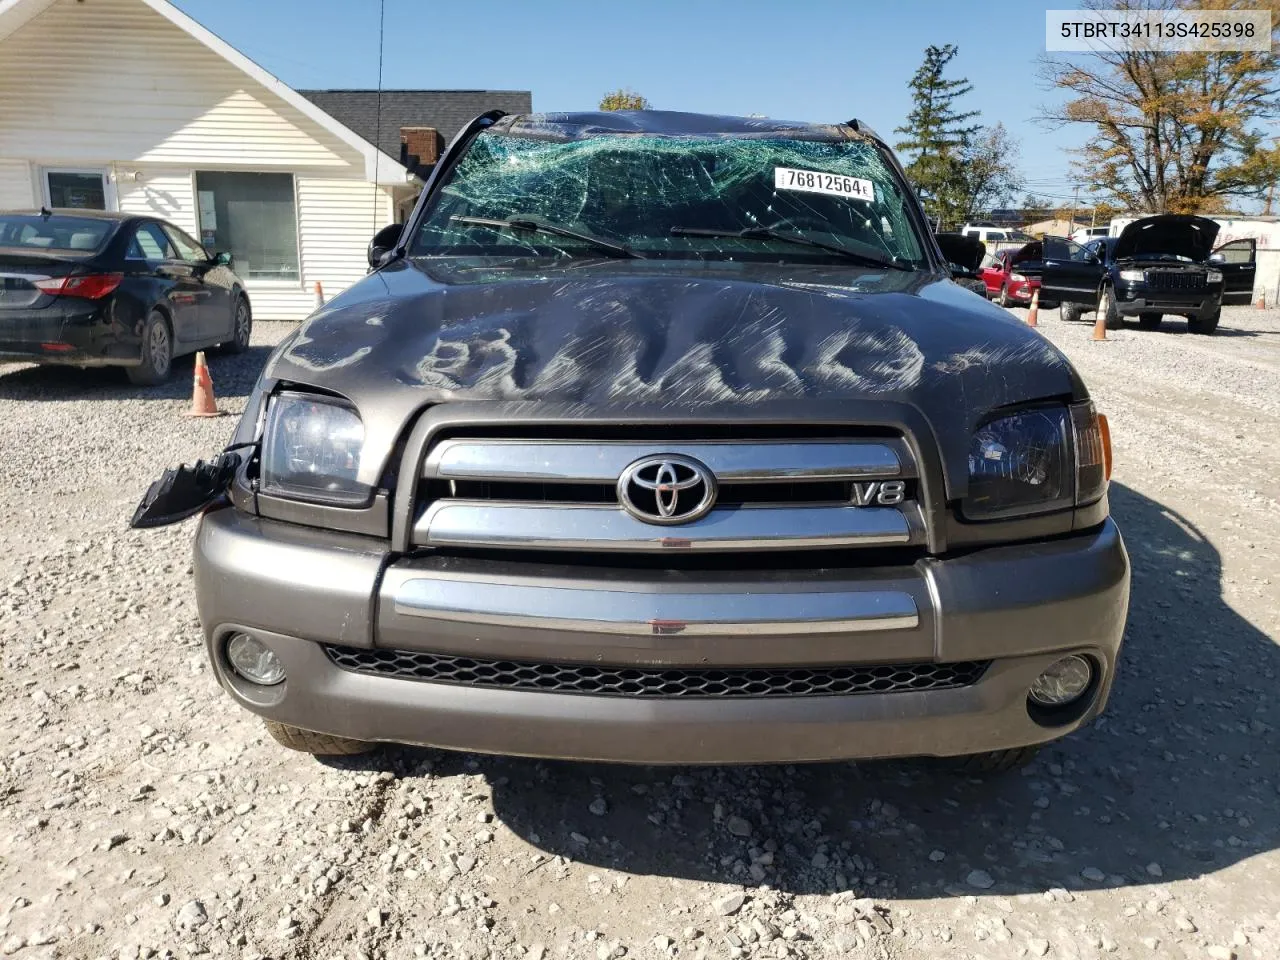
(132, 105)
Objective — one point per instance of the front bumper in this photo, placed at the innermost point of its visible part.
(1133, 302)
(1023, 289)
(1021, 607)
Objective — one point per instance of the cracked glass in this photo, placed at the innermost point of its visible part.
(632, 190)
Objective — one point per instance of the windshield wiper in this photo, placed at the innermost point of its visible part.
(791, 236)
(528, 224)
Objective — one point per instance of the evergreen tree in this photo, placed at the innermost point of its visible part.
(935, 133)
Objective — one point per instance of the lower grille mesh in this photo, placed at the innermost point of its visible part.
(658, 682)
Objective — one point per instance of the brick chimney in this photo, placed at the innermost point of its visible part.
(419, 146)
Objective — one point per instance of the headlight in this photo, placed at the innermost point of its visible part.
(311, 450)
(1017, 277)
(1133, 276)
(1020, 464)
(1213, 276)
(1037, 461)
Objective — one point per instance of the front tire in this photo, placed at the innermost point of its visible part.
(1204, 325)
(242, 326)
(1069, 312)
(996, 761)
(316, 744)
(157, 352)
(1150, 321)
(1003, 298)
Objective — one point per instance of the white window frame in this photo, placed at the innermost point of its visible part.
(108, 184)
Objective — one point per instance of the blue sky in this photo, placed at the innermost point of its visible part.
(801, 60)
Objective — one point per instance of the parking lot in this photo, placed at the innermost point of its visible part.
(142, 814)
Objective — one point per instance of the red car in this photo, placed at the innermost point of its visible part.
(1003, 282)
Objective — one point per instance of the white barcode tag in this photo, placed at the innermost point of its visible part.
(813, 181)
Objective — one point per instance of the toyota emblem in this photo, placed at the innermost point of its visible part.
(667, 489)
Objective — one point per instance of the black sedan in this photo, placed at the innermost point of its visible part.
(88, 288)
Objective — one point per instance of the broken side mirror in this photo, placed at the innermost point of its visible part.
(383, 242)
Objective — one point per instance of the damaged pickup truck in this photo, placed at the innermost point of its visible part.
(662, 438)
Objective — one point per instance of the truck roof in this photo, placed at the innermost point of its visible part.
(572, 126)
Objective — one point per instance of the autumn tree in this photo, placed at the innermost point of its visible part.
(987, 174)
(1171, 132)
(624, 99)
(934, 133)
(1098, 214)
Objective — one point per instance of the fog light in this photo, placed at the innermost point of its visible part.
(1065, 680)
(253, 660)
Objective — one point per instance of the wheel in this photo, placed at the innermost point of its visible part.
(1107, 307)
(1204, 325)
(316, 744)
(996, 761)
(1150, 321)
(242, 328)
(157, 352)
(1069, 312)
(1003, 299)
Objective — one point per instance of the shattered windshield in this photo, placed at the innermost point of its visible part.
(673, 197)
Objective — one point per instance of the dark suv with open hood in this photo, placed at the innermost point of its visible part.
(1157, 265)
(663, 438)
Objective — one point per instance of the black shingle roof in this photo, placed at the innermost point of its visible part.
(445, 110)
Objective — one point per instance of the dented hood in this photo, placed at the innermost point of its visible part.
(644, 337)
(1178, 234)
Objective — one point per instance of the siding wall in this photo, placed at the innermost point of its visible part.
(281, 301)
(112, 84)
(101, 80)
(167, 194)
(16, 185)
(336, 216)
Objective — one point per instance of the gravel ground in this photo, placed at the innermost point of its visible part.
(141, 815)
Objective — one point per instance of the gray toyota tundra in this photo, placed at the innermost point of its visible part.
(662, 438)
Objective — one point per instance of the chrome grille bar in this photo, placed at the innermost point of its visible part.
(701, 613)
(605, 527)
(582, 461)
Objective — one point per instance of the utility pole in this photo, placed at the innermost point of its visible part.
(1271, 191)
(1075, 199)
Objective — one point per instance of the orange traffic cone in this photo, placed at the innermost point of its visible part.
(1034, 315)
(319, 295)
(1261, 303)
(202, 402)
(1100, 326)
